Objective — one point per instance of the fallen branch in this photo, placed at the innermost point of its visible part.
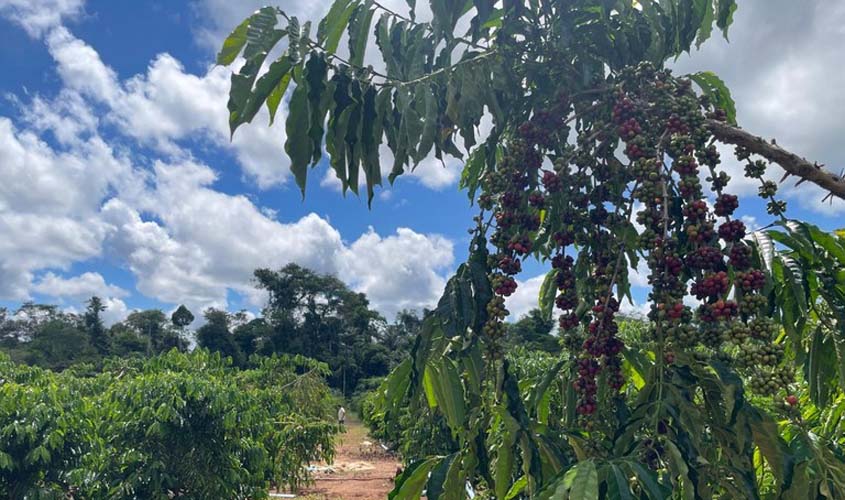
(792, 163)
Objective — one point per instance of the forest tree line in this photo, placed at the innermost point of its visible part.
(307, 313)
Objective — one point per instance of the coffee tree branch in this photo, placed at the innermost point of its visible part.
(792, 163)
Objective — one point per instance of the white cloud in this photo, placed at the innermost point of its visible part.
(44, 180)
(38, 16)
(525, 298)
(399, 271)
(167, 106)
(636, 309)
(80, 287)
(31, 242)
(50, 200)
(80, 66)
(208, 243)
(115, 311)
(639, 276)
(183, 240)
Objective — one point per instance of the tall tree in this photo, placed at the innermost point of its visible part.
(181, 317)
(153, 325)
(214, 335)
(255, 337)
(94, 326)
(533, 331)
(318, 316)
(399, 335)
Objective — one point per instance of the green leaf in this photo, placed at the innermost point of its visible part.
(548, 292)
(540, 390)
(725, 15)
(315, 75)
(794, 277)
(233, 44)
(648, 481)
(275, 97)
(505, 461)
(448, 391)
(261, 37)
(620, 488)
(261, 31)
(429, 376)
(763, 240)
(444, 482)
(429, 130)
(332, 26)
(270, 82)
(560, 487)
(409, 485)
(800, 488)
(820, 367)
(706, 27)
(578, 483)
(681, 469)
(298, 145)
(585, 485)
(714, 87)
(767, 437)
(293, 39)
(834, 246)
(340, 112)
(371, 137)
(518, 486)
(359, 31)
(471, 173)
(395, 388)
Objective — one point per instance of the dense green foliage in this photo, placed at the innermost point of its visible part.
(719, 393)
(172, 426)
(42, 335)
(317, 316)
(307, 314)
(533, 331)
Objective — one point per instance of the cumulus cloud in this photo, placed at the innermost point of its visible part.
(36, 17)
(81, 287)
(49, 203)
(116, 311)
(167, 106)
(401, 271)
(525, 298)
(160, 215)
(209, 243)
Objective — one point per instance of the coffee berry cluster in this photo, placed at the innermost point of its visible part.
(562, 191)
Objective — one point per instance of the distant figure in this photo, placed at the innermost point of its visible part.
(341, 416)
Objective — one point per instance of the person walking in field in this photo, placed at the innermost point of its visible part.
(341, 416)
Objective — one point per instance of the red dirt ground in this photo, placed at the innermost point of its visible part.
(359, 471)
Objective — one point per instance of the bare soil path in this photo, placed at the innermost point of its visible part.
(361, 469)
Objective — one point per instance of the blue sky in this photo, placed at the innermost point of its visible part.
(120, 179)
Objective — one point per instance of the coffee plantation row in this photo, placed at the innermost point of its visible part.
(178, 425)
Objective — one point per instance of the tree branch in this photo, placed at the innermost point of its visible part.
(792, 163)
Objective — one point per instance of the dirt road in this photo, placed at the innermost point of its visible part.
(361, 470)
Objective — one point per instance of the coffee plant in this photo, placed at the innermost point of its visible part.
(598, 157)
(174, 426)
